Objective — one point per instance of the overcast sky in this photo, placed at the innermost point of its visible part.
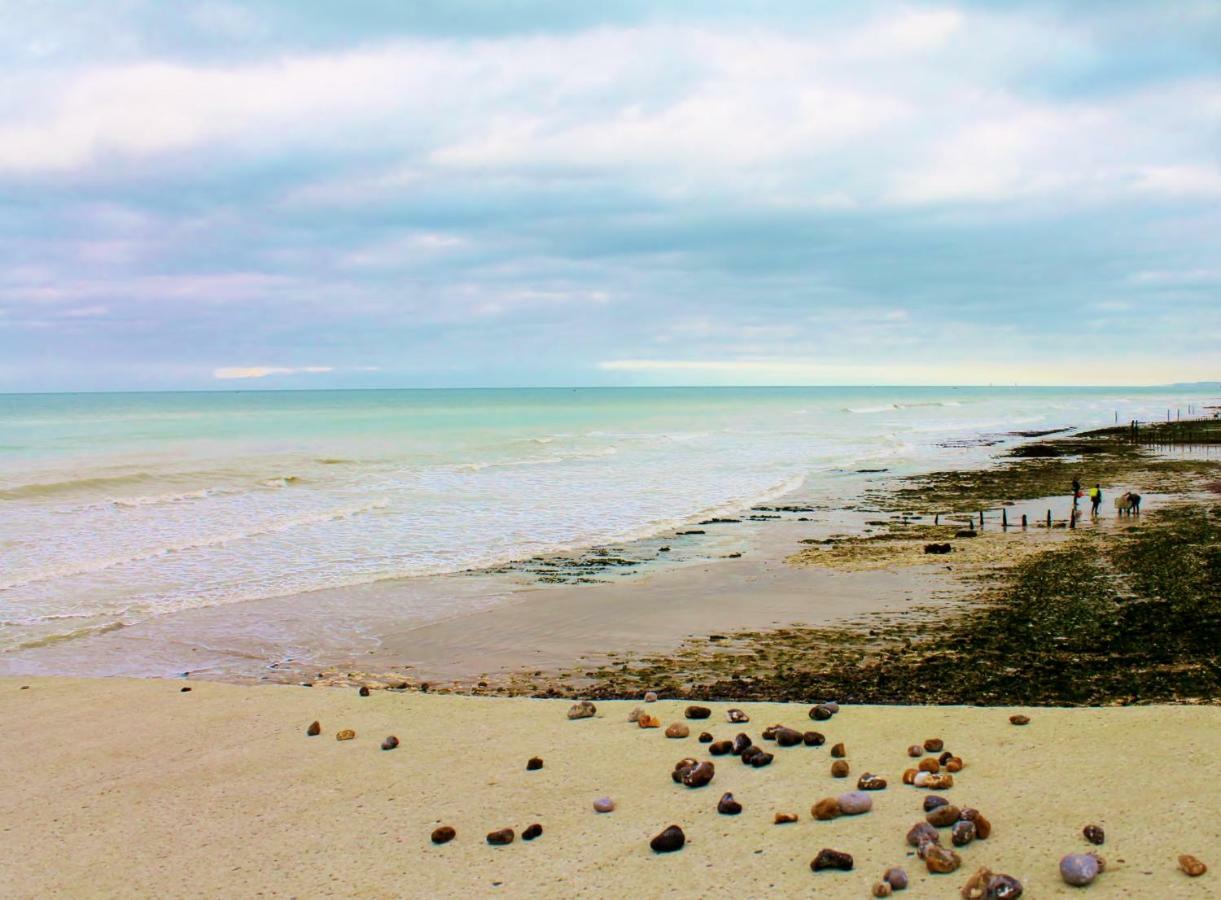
(459, 193)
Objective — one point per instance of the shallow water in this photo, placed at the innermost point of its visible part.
(122, 507)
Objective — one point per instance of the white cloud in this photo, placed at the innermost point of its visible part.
(237, 372)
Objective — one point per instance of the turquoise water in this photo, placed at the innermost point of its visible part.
(121, 507)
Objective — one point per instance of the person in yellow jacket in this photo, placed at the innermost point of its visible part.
(1095, 499)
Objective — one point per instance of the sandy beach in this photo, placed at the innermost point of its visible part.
(134, 788)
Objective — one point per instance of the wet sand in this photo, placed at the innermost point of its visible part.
(129, 787)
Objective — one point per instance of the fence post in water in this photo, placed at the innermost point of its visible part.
(1004, 519)
(1023, 521)
(1049, 518)
(937, 519)
(981, 518)
(1072, 519)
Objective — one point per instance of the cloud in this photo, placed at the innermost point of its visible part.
(237, 372)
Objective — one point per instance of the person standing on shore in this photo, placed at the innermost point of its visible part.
(1095, 499)
(1076, 491)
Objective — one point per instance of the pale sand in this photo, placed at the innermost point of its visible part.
(116, 787)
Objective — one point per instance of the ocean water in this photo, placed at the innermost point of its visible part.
(116, 508)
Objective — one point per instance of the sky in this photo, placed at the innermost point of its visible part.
(212, 195)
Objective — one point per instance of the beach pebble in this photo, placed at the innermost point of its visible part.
(501, 837)
(909, 776)
(934, 745)
(736, 715)
(932, 802)
(634, 715)
(820, 713)
(720, 748)
(933, 782)
(831, 859)
(830, 706)
(443, 835)
(697, 712)
(1094, 834)
(390, 743)
(728, 806)
(954, 764)
(896, 878)
(870, 782)
(783, 818)
(1079, 869)
(647, 721)
(185, 690)
(983, 828)
(604, 805)
(314, 729)
(669, 840)
(677, 730)
(531, 832)
(534, 763)
(939, 860)
(962, 833)
(364, 691)
(826, 809)
(705, 738)
(740, 743)
(813, 739)
(650, 696)
(915, 750)
(1192, 866)
(582, 710)
(748, 753)
(1019, 720)
(921, 833)
(346, 735)
(945, 757)
(788, 737)
(761, 759)
(882, 889)
(929, 765)
(988, 885)
(854, 803)
(943, 816)
(839, 751)
(699, 774)
(839, 769)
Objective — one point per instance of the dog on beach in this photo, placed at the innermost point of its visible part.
(1128, 503)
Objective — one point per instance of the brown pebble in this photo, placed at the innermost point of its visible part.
(813, 739)
(1019, 720)
(945, 757)
(962, 833)
(736, 715)
(976, 887)
(788, 737)
(870, 782)
(748, 753)
(839, 769)
(761, 759)
(896, 878)
(697, 712)
(1192, 866)
(647, 721)
(934, 745)
(954, 765)
(882, 889)
(940, 860)
(831, 859)
(534, 763)
(909, 776)
(390, 743)
(346, 735)
(443, 835)
(740, 743)
(839, 751)
(531, 832)
(820, 713)
(933, 801)
(783, 818)
(705, 738)
(720, 748)
(677, 730)
(915, 750)
(769, 733)
(314, 729)
(940, 782)
(501, 837)
(185, 690)
(943, 816)
(929, 765)
(1094, 834)
(699, 774)
(669, 840)
(364, 691)
(921, 833)
(826, 809)
(728, 806)
(983, 828)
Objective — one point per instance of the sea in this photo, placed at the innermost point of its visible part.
(119, 508)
